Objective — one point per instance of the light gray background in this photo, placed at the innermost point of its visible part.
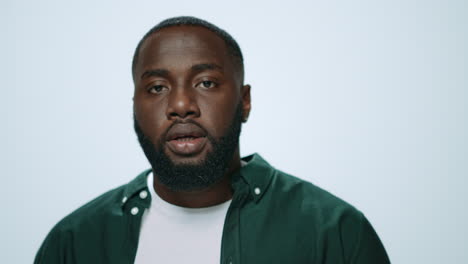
(366, 99)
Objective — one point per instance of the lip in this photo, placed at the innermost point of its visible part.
(186, 139)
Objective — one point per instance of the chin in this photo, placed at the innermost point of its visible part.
(188, 161)
(195, 159)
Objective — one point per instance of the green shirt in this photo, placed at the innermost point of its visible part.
(273, 218)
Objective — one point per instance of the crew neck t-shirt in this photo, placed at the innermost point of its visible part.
(174, 234)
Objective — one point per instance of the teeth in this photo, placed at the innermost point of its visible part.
(185, 139)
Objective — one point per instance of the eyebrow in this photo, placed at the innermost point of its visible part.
(206, 66)
(155, 73)
(196, 68)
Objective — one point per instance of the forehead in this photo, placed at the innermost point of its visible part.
(183, 45)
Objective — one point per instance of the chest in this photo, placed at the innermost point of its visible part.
(177, 235)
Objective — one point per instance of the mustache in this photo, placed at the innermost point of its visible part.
(144, 139)
(184, 121)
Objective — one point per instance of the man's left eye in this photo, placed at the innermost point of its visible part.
(207, 84)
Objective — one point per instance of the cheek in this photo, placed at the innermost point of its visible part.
(151, 118)
(218, 114)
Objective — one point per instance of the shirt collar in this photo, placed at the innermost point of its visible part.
(257, 174)
(135, 186)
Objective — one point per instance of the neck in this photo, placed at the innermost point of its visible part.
(210, 196)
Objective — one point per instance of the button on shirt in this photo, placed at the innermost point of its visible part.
(273, 218)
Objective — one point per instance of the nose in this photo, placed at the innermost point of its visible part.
(182, 104)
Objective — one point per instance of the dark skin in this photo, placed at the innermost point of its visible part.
(185, 72)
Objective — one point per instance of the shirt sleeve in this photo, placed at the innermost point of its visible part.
(53, 249)
(350, 239)
(368, 248)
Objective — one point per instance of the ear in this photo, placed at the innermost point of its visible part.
(246, 106)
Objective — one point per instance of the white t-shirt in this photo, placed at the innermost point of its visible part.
(174, 234)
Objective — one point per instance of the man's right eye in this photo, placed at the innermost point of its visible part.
(156, 89)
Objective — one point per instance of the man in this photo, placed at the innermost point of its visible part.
(200, 202)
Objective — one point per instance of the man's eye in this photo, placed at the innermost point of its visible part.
(207, 84)
(156, 89)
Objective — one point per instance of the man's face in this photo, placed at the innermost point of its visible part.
(188, 99)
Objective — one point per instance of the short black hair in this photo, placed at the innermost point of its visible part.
(232, 46)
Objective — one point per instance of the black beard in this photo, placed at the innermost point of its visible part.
(192, 177)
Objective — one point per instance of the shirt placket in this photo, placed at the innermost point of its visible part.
(230, 243)
(133, 211)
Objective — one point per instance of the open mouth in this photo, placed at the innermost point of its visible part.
(186, 139)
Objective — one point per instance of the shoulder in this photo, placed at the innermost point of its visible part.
(87, 228)
(103, 207)
(81, 223)
(98, 208)
(309, 196)
(337, 225)
(279, 190)
(313, 208)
